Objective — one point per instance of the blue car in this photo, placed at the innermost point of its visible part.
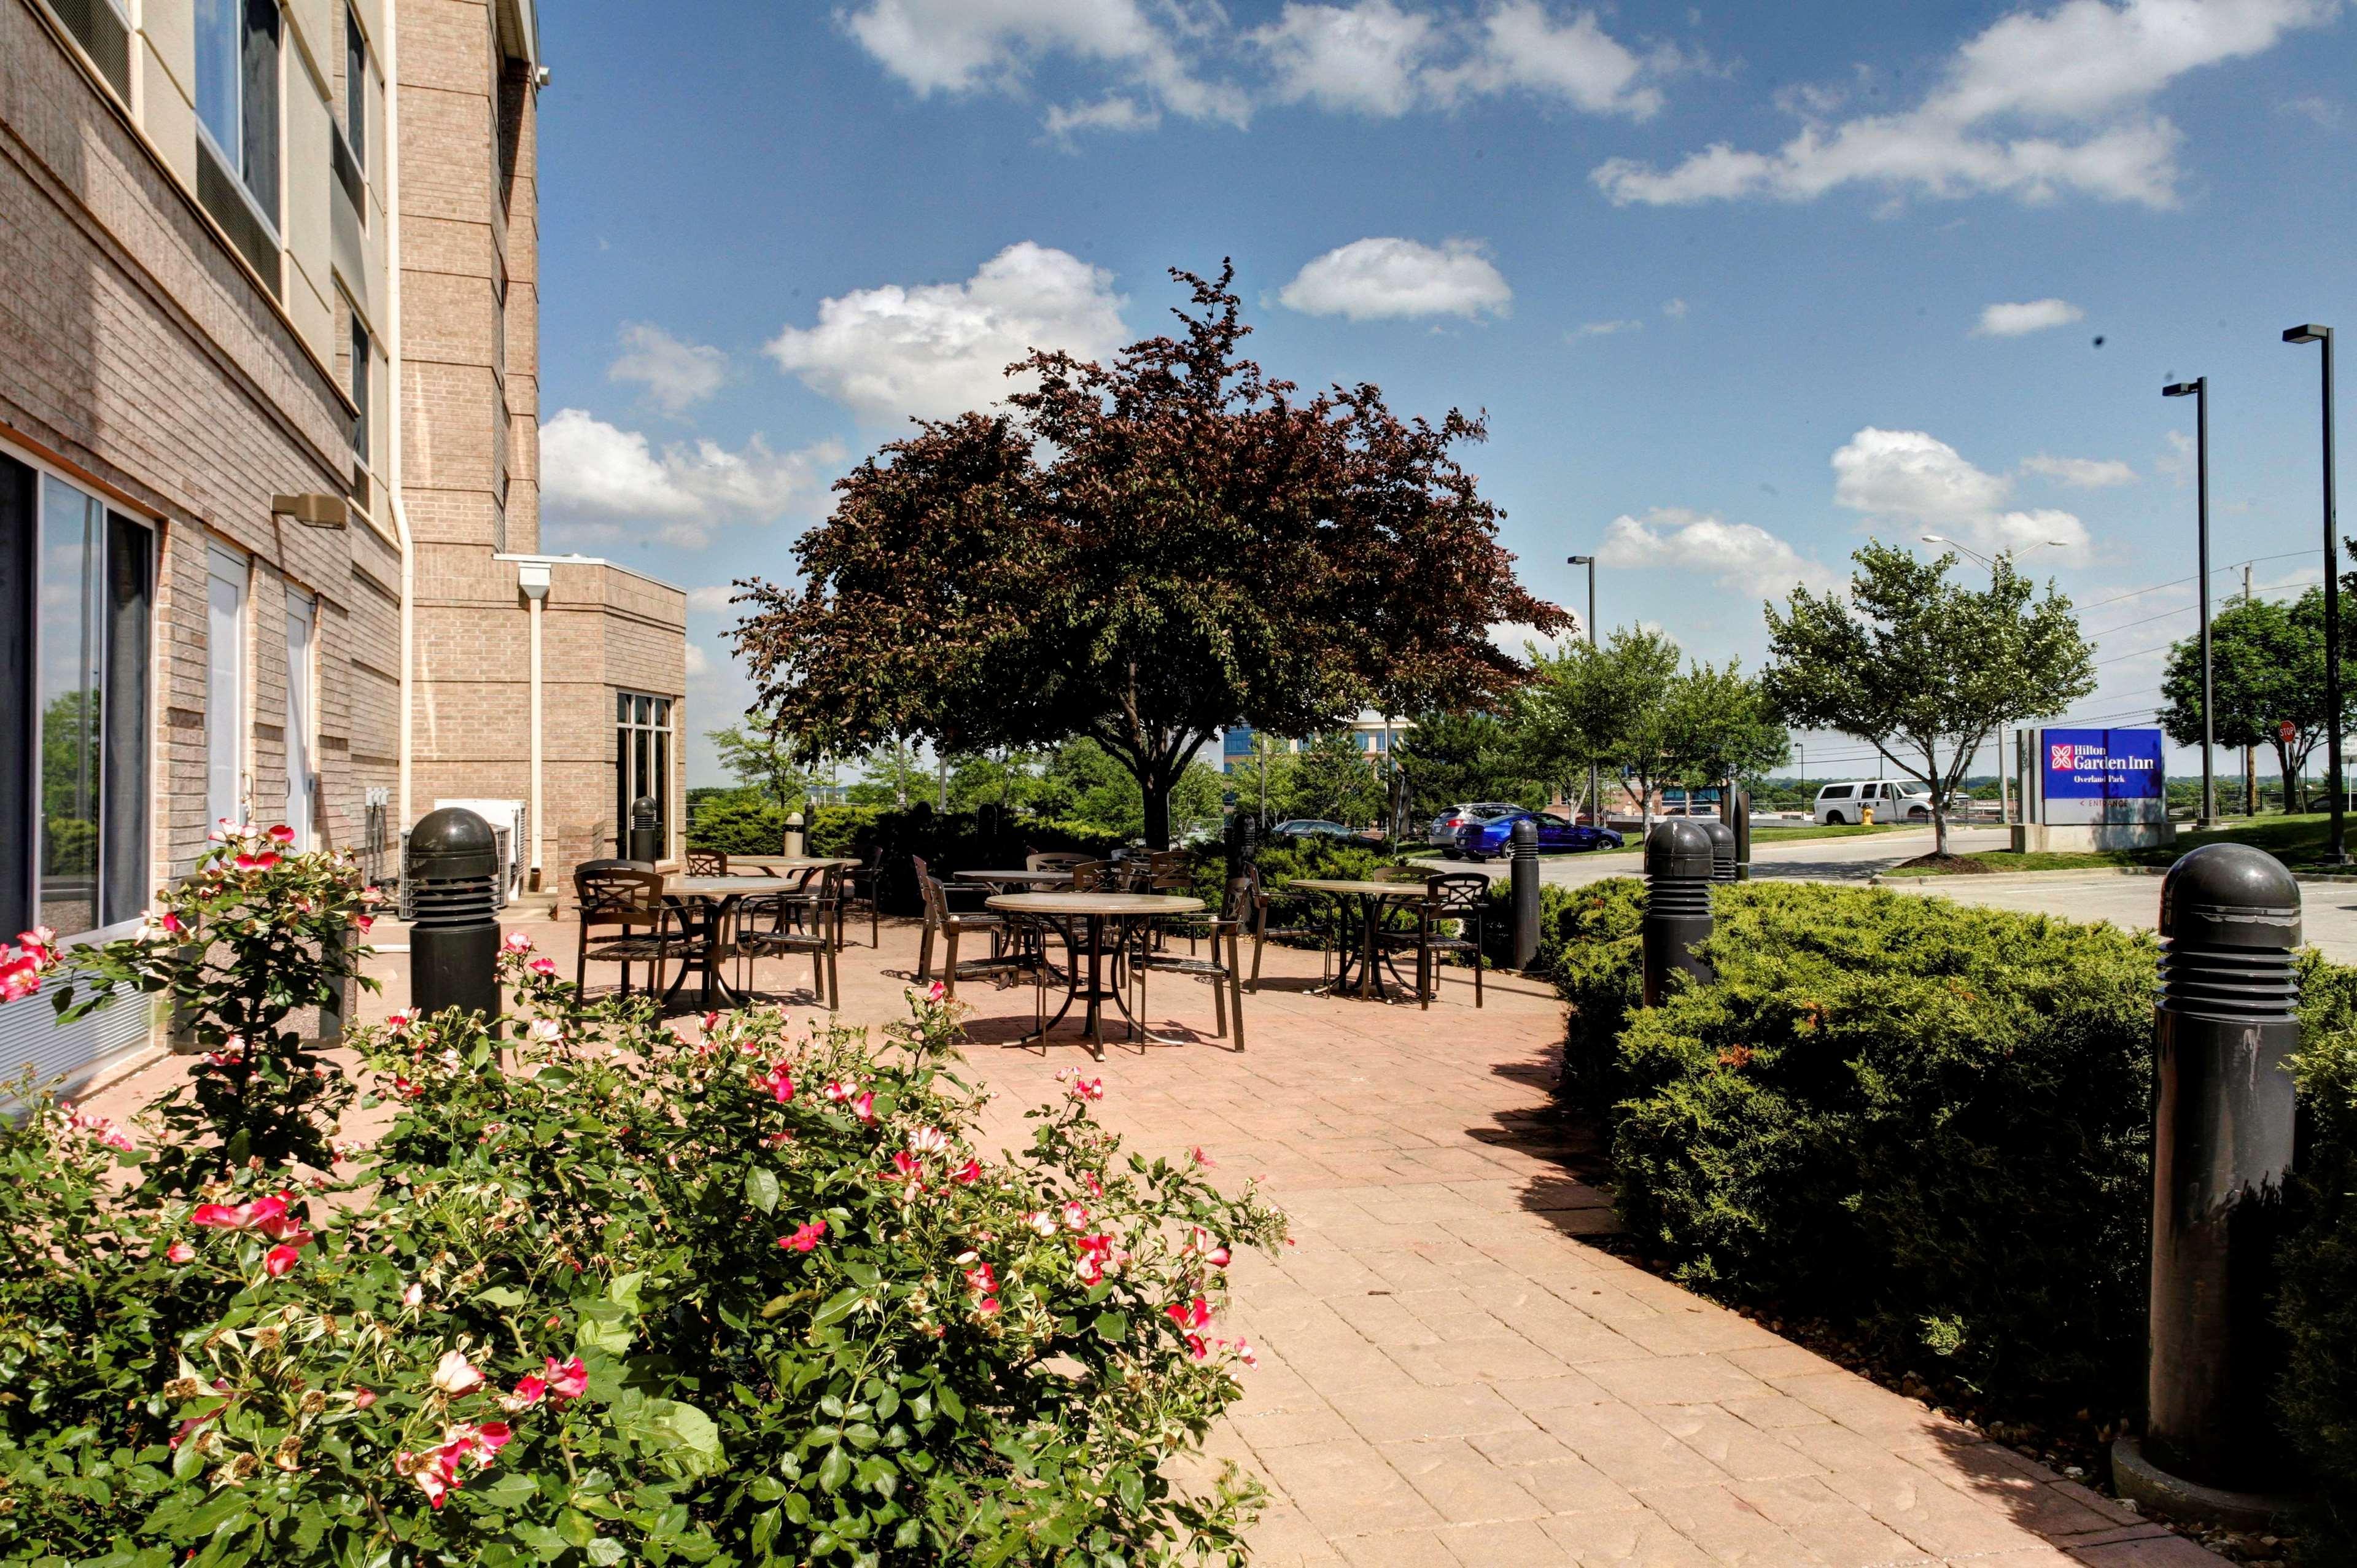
(1494, 835)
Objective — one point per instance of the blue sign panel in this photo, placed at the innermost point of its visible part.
(2104, 774)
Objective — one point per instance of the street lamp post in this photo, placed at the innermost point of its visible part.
(1595, 776)
(2198, 389)
(2338, 853)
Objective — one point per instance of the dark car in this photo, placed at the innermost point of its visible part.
(1494, 835)
(1318, 828)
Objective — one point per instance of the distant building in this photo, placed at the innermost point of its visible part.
(270, 463)
(1373, 735)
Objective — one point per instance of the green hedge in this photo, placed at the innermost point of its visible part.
(1929, 1125)
(949, 842)
(2318, 1308)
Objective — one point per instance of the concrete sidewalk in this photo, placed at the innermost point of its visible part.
(1450, 1370)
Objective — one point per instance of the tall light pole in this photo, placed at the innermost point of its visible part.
(2337, 853)
(1595, 776)
(2198, 389)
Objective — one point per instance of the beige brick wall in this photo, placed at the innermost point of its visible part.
(136, 350)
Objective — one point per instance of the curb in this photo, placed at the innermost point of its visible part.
(2007, 878)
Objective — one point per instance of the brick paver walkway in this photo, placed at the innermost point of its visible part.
(1449, 1371)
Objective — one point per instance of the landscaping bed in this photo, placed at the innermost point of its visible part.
(1924, 1129)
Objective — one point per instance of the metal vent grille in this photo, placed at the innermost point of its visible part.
(226, 200)
(104, 36)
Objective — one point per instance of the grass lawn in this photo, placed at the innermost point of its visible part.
(2296, 841)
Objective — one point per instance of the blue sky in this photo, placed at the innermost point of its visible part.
(1738, 287)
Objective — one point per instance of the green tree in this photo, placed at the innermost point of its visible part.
(1008, 780)
(761, 761)
(1333, 781)
(2266, 667)
(1263, 778)
(1142, 554)
(1447, 757)
(1721, 728)
(1083, 783)
(1923, 668)
(1607, 706)
(892, 775)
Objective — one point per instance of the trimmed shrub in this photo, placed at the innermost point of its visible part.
(1928, 1119)
(2319, 1309)
(949, 841)
(735, 822)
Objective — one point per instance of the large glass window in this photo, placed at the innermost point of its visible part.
(362, 351)
(642, 759)
(356, 95)
(77, 584)
(237, 91)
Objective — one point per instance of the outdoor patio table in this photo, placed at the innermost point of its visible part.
(770, 864)
(1094, 912)
(1043, 879)
(1371, 898)
(720, 895)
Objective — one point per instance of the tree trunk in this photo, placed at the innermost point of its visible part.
(1156, 792)
(2291, 789)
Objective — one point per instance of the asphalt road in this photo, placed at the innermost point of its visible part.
(2329, 910)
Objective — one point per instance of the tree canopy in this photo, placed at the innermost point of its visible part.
(1923, 668)
(2267, 665)
(1143, 553)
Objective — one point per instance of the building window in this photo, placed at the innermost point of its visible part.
(302, 781)
(225, 688)
(356, 94)
(641, 760)
(77, 585)
(362, 365)
(237, 121)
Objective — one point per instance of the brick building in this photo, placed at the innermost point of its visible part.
(269, 497)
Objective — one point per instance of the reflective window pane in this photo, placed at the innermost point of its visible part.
(71, 642)
(122, 773)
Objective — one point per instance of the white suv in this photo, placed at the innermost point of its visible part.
(1891, 802)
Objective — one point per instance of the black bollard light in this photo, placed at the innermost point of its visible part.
(646, 829)
(2224, 1031)
(1743, 835)
(1722, 849)
(454, 934)
(1525, 888)
(1678, 872)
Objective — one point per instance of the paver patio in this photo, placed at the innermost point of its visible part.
(1450, 1370)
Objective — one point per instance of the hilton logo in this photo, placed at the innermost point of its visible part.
(2058, 755)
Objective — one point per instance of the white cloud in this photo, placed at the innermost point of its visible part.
(595, 477)
(1115, 112)
(677, 374)
(2031, 316)
(939, 350)
(1365, 56)
(1376, 279)
(2081, 473)
(2035, 105)
(1521, 48)
(1907, 476)
(1740, 556)
(699, 663)
(965, 45)
(712, 600)
(1603, 328)
(1675, 310)
(2179, 462)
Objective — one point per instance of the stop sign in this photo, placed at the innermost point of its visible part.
(2287, 729)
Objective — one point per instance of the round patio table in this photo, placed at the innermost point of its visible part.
(770, 864)
(1371, 897)
(1094, 913)
(719, 895)
(1041, 879)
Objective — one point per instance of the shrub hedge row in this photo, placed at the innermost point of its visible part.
(1931, 1124)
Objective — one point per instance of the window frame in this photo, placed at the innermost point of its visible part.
(652, 743)
(234, 163)
(110, 511)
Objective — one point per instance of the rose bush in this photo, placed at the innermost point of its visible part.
(603, 1294)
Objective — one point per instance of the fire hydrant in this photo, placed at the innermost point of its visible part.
(1865, 816)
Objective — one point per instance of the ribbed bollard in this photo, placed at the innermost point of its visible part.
(646, 829)
(1722, 849)
(1524, 885)
(2224, 1029)
(454, 940)
(1677, 903)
